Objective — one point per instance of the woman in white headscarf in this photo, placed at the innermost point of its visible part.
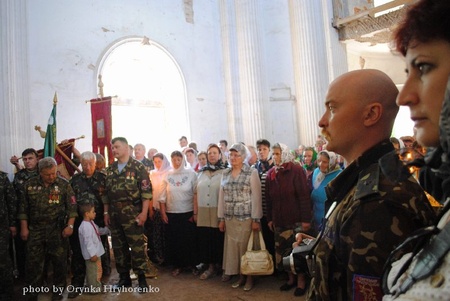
(328, 168)
(157, 242)
(178, 211)
(288, 208)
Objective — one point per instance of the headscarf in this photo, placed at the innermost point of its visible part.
(439, 158)
(165, 164)
(332, 166)
(313, 164)
(243, 151)
(219, 164)
(286, 157)
(183, 166)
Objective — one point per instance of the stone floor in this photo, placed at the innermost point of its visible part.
(183, 287)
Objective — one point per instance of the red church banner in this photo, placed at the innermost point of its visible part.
(102, 127)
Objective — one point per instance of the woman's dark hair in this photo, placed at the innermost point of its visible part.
(176, 154)
(215, 146)
(158, 155)
(263, 142)
(425, 21)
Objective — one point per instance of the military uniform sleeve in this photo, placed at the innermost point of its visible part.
(71, 203)
(11, 201)
(144, 183)
(371, 233)
(102, 188)
(22, 210)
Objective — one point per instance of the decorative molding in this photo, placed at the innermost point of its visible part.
(367, 25)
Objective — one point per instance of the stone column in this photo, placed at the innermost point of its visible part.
(15, 129)
(310, 65)
(231, 71)
(253, 92)
(336, 51)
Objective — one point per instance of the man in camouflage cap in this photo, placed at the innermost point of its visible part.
(128, 191)
(8, 210)
(89, 188)
(47, 213)
(378, 204)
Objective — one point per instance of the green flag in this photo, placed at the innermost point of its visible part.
(50, 136)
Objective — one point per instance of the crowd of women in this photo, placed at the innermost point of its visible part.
(228, 203)
(206, 204)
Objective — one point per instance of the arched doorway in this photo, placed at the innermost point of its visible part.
(150, 106)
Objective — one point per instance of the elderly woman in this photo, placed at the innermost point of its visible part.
(309, 163)
(210, 239)
(239, 211)
(424, 39)
(157, 244)
(288, 208)
(178, 212)
(328, 170)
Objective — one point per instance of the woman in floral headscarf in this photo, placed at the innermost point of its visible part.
(288, 208)
(328, 170)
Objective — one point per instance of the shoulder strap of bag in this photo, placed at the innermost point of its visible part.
(261, 241)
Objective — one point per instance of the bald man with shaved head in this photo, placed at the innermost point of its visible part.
(376, 202)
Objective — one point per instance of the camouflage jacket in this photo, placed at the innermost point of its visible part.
(148, 164)
(21, 177)
(45, 206)
(90, 190)
(8, 203)
(132, 184)
(378, 206)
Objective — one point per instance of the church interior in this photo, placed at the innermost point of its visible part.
(238, 70)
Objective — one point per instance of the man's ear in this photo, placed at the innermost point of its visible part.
(372, 113)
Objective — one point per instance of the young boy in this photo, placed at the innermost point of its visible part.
(91, 247)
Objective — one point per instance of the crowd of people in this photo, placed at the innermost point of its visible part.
(352, 193)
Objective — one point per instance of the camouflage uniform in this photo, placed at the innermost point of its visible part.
(148, 164)
(8, 208)
(47, 210)
(125, 191)
(20, 178)
(378, 206)
(87, 190)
